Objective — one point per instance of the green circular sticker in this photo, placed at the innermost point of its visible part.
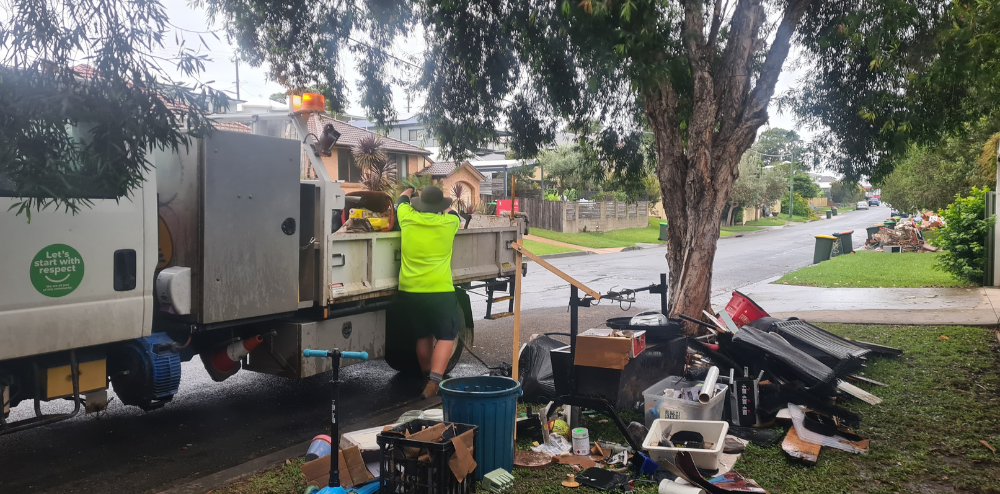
(57, 270)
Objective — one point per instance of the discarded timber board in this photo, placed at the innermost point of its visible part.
(863, 379)
(795, 447)
(858, 393)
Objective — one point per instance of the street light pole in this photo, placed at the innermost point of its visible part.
(791, 185)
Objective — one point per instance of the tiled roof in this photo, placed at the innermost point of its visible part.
(86, 71)
(351, 135)
(445, 168)
(233, 127)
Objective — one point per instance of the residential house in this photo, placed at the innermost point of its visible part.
(409, 159)
(448, 174)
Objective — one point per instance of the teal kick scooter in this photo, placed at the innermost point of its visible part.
(334, 486)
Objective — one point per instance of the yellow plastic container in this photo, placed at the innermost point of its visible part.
(379, 224)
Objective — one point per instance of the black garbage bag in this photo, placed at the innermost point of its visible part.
(535, 370)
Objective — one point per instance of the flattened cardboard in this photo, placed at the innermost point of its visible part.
(462, 463)
(583, 461)
(352, 469)
(317, 472)
(356, 465)
(597, 348)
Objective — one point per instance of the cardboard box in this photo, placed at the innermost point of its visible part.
(352, 469)
(608, 348)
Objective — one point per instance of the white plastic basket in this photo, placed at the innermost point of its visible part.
(712, 431)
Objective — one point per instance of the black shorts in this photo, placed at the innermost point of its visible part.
(430, 314)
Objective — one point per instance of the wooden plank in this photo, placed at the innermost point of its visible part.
(855, 377)
(795, 447)
(541, 262)
(517, 311)
(858, 393)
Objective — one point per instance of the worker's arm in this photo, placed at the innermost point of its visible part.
(405, 196)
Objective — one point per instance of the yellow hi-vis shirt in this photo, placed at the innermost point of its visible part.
(427, 241)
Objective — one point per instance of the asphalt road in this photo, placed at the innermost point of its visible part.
(212, 426)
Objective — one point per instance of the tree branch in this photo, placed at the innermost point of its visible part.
(693, 33)
(755, 109)
(713, 35)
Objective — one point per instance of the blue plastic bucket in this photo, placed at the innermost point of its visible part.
(489, 402)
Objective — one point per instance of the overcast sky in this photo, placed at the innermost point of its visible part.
(254, 84)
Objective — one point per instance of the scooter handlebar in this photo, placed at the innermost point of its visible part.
(354, 355)
(308, 352)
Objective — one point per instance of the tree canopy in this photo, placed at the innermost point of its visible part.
(930, 176)
(884, 74)
(84, 99)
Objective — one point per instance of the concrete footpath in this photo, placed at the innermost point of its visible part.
(978, 306)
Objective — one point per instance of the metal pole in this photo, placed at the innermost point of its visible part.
(237, 60)
(334, 430)
(574, 328)
(663, 295)
(791, 187)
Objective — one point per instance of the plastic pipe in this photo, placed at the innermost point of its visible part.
(708, 389)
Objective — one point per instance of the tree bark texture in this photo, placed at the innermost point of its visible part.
(697, 170)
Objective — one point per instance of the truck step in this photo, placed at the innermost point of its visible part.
(500, 315)
(502, 299)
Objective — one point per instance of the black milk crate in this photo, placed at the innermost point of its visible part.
(402, 475)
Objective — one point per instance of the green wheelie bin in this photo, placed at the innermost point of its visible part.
(824, 247)
(845, 241)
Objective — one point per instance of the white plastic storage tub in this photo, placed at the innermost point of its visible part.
(706, 459)
(658, 406)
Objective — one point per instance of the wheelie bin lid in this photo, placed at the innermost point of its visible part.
(826, 236)
(848, 232)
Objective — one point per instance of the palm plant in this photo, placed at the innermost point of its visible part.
(418, 182)
(458, 193)
(378, 172)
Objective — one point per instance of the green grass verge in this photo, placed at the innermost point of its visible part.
(286, 479)
(602, 240)
(874, 269)
(779, 221)
(925, 435)
(615, 238)
(741, 228)
(542, 248)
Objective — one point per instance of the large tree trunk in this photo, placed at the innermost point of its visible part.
(697, 170)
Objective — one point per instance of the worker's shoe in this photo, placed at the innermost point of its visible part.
(430, 390)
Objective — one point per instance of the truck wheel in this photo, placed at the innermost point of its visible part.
(399, 344)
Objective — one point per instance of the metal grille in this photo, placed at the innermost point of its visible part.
(632, 210)
(816, 337)
(609, 209)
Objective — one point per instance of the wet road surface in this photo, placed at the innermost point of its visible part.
(211, 426)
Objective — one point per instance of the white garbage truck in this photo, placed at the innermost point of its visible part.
(226, 253)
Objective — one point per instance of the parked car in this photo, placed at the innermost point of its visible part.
(862, 205)
(874, 202)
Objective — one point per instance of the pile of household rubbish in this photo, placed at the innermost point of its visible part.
(703, 400)
(750, 375)
(903, 234)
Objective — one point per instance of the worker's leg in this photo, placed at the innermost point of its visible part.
(447, 322)
(442, 354)
(425, 354)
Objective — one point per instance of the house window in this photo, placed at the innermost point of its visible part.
(416, 134)
(400, 160)
(347, 169)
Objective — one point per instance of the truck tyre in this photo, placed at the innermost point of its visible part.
(400, 346)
